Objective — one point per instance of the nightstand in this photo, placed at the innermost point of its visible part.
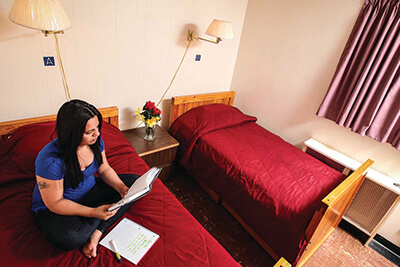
(160, 152)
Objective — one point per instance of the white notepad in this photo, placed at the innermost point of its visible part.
(132, 240)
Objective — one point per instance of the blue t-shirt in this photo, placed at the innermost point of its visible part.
(49, 166)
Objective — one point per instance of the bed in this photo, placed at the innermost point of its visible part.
(287, 200)
(183, 241)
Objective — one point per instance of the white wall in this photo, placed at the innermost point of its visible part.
(287, 57)
(119, 52)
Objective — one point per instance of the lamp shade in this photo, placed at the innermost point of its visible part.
(45, 15)
(221, 29)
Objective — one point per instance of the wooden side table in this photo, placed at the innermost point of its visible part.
(160, 152)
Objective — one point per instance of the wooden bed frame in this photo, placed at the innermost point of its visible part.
(325, 219)
(182, 104)
(7, 128)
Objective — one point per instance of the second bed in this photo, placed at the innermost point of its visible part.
(289, 201)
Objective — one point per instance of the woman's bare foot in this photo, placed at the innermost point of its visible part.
(89, 249)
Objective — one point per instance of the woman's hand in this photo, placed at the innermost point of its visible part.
(123, 190)
(102, 213)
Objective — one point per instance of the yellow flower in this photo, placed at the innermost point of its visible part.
(140, 117)
(138, 111)
(151, 122)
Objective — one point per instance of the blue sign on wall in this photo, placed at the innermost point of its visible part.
(49, 61)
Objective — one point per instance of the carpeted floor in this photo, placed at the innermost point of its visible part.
(217, 221)
(341, 249)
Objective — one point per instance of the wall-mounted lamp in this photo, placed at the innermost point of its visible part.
(46, 15)
(218, 28)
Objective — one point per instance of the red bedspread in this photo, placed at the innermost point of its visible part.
(183, 241)
(271, 184)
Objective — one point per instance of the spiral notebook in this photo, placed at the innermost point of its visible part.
(131, 239)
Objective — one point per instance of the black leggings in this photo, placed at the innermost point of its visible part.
(71, 232)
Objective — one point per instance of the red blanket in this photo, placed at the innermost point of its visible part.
(271, 184)
(183, 241)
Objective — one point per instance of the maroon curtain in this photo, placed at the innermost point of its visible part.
(364, 94)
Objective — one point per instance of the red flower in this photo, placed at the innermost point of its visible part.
(149, 105)
(156, 111)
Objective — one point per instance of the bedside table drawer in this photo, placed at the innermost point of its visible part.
(164, 159)
(161, 158)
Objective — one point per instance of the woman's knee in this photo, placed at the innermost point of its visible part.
(71, 234)
(69, 239)
(128, 179)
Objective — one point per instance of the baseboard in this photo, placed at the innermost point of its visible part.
(354, 231)
(380, 244)
(386, 248)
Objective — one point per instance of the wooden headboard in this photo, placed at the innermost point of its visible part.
(110, 115)
(182, 104)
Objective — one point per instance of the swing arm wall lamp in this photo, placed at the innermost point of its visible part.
(47, 16)
(220, 29)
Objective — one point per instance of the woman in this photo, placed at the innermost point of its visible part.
(68, 201)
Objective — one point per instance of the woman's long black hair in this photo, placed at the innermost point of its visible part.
(71, 123)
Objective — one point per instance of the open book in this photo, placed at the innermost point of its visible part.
(140, 187)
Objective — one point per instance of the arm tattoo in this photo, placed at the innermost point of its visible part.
(43, 185)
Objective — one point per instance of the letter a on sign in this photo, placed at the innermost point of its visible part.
(48, 61)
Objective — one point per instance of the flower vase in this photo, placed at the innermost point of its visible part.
(149, 133)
